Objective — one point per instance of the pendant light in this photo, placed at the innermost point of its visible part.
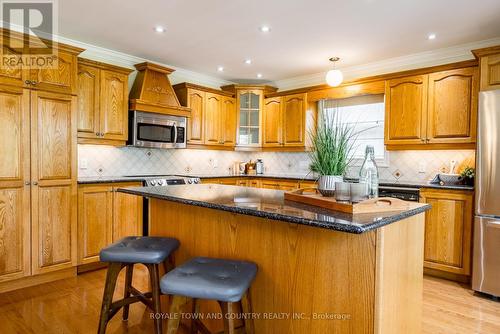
(334, 77)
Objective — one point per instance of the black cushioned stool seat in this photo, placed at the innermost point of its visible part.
(150, 251)
(139, 250)
(226, 281)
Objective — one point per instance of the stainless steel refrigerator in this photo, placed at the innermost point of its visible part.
(486, 261)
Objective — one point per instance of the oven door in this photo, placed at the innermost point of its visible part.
(158, 131)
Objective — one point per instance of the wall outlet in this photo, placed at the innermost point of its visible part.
(422, 166)
(84, 163)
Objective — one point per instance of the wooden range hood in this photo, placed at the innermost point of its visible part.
(152, 91)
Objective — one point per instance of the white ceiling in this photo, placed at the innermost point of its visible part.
(203, 34)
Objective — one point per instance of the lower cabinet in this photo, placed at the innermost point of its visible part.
(448, 230)
(267, 183)
(105, 216)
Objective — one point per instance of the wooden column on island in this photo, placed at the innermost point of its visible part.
(316, 280)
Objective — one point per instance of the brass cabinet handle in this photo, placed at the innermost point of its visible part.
(35, 183)
(34, 83)
(97, 134)
(422, 139)
(27, 183)
(102, 134)
(28, 82)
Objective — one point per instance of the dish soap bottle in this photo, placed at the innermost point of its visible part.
(369, 172)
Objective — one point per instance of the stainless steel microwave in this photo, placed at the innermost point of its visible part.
(156, 130)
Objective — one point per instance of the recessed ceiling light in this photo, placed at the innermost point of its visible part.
(248, 61)
(220, 68)
(265, 28)
(259, 75)
(431, 36)
(159, 29)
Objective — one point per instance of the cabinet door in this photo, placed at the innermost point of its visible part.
(228, 121)
(490, 72)
(88, 102)
(406, 110)
(452, 108)
(14, 193)
(195, 101)
(11, 73)
(53, 175)
(294, 120)
(270, 184)
(61, 79)
(254, 183)
(95, 217)
(249, 130)
(127, 213)
(114, 105)
(272, 122)
(213, 119)
(448, 230)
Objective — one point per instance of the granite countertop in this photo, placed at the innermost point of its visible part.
(299, 177)
(270, 204)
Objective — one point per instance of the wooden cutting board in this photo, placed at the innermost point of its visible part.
(311, 196)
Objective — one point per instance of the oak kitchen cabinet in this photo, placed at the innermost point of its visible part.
(249, 112)
(448, 230)
(262, 182)
(489, 59)
(61, 79)
(102, 103)
(436, 110)
(38, 172)
(213, 116)
(284, 121)
(105, 216)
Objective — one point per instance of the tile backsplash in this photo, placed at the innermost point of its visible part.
(95, 160)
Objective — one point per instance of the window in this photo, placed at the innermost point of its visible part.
(366, 115)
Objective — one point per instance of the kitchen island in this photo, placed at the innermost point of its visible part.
(320, 271)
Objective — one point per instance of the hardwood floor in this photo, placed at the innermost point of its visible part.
(73, 305)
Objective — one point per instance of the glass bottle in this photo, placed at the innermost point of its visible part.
(369, 172)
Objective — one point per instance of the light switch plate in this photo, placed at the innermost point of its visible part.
(84, 164)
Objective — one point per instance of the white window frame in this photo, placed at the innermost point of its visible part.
(357, 162)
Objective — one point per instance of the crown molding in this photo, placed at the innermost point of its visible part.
(113, 57)
(408, 62)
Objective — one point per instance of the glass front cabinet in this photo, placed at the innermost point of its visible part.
(249, 117)
(250, 102)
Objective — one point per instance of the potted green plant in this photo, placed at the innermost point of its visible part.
(468, 176)
(332, 148)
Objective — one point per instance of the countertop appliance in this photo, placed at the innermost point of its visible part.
(486, 254)
(406, 194)
(259, 166)
(148, 129)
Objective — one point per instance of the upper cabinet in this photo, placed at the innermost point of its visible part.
(249, 116)
(452, 107)
(294, 119)
(212, 123)
(436, 110)
(489, 64)
(248, 122)
(284, 121)
(406, 110)
(59, 80)
(102, 103)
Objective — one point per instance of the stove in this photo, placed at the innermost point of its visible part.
(169, 180)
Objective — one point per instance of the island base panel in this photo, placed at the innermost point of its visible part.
(310, 280)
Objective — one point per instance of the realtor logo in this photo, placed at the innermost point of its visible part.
(29, 32)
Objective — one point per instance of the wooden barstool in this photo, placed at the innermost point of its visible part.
(226, 281)
(150, 251)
